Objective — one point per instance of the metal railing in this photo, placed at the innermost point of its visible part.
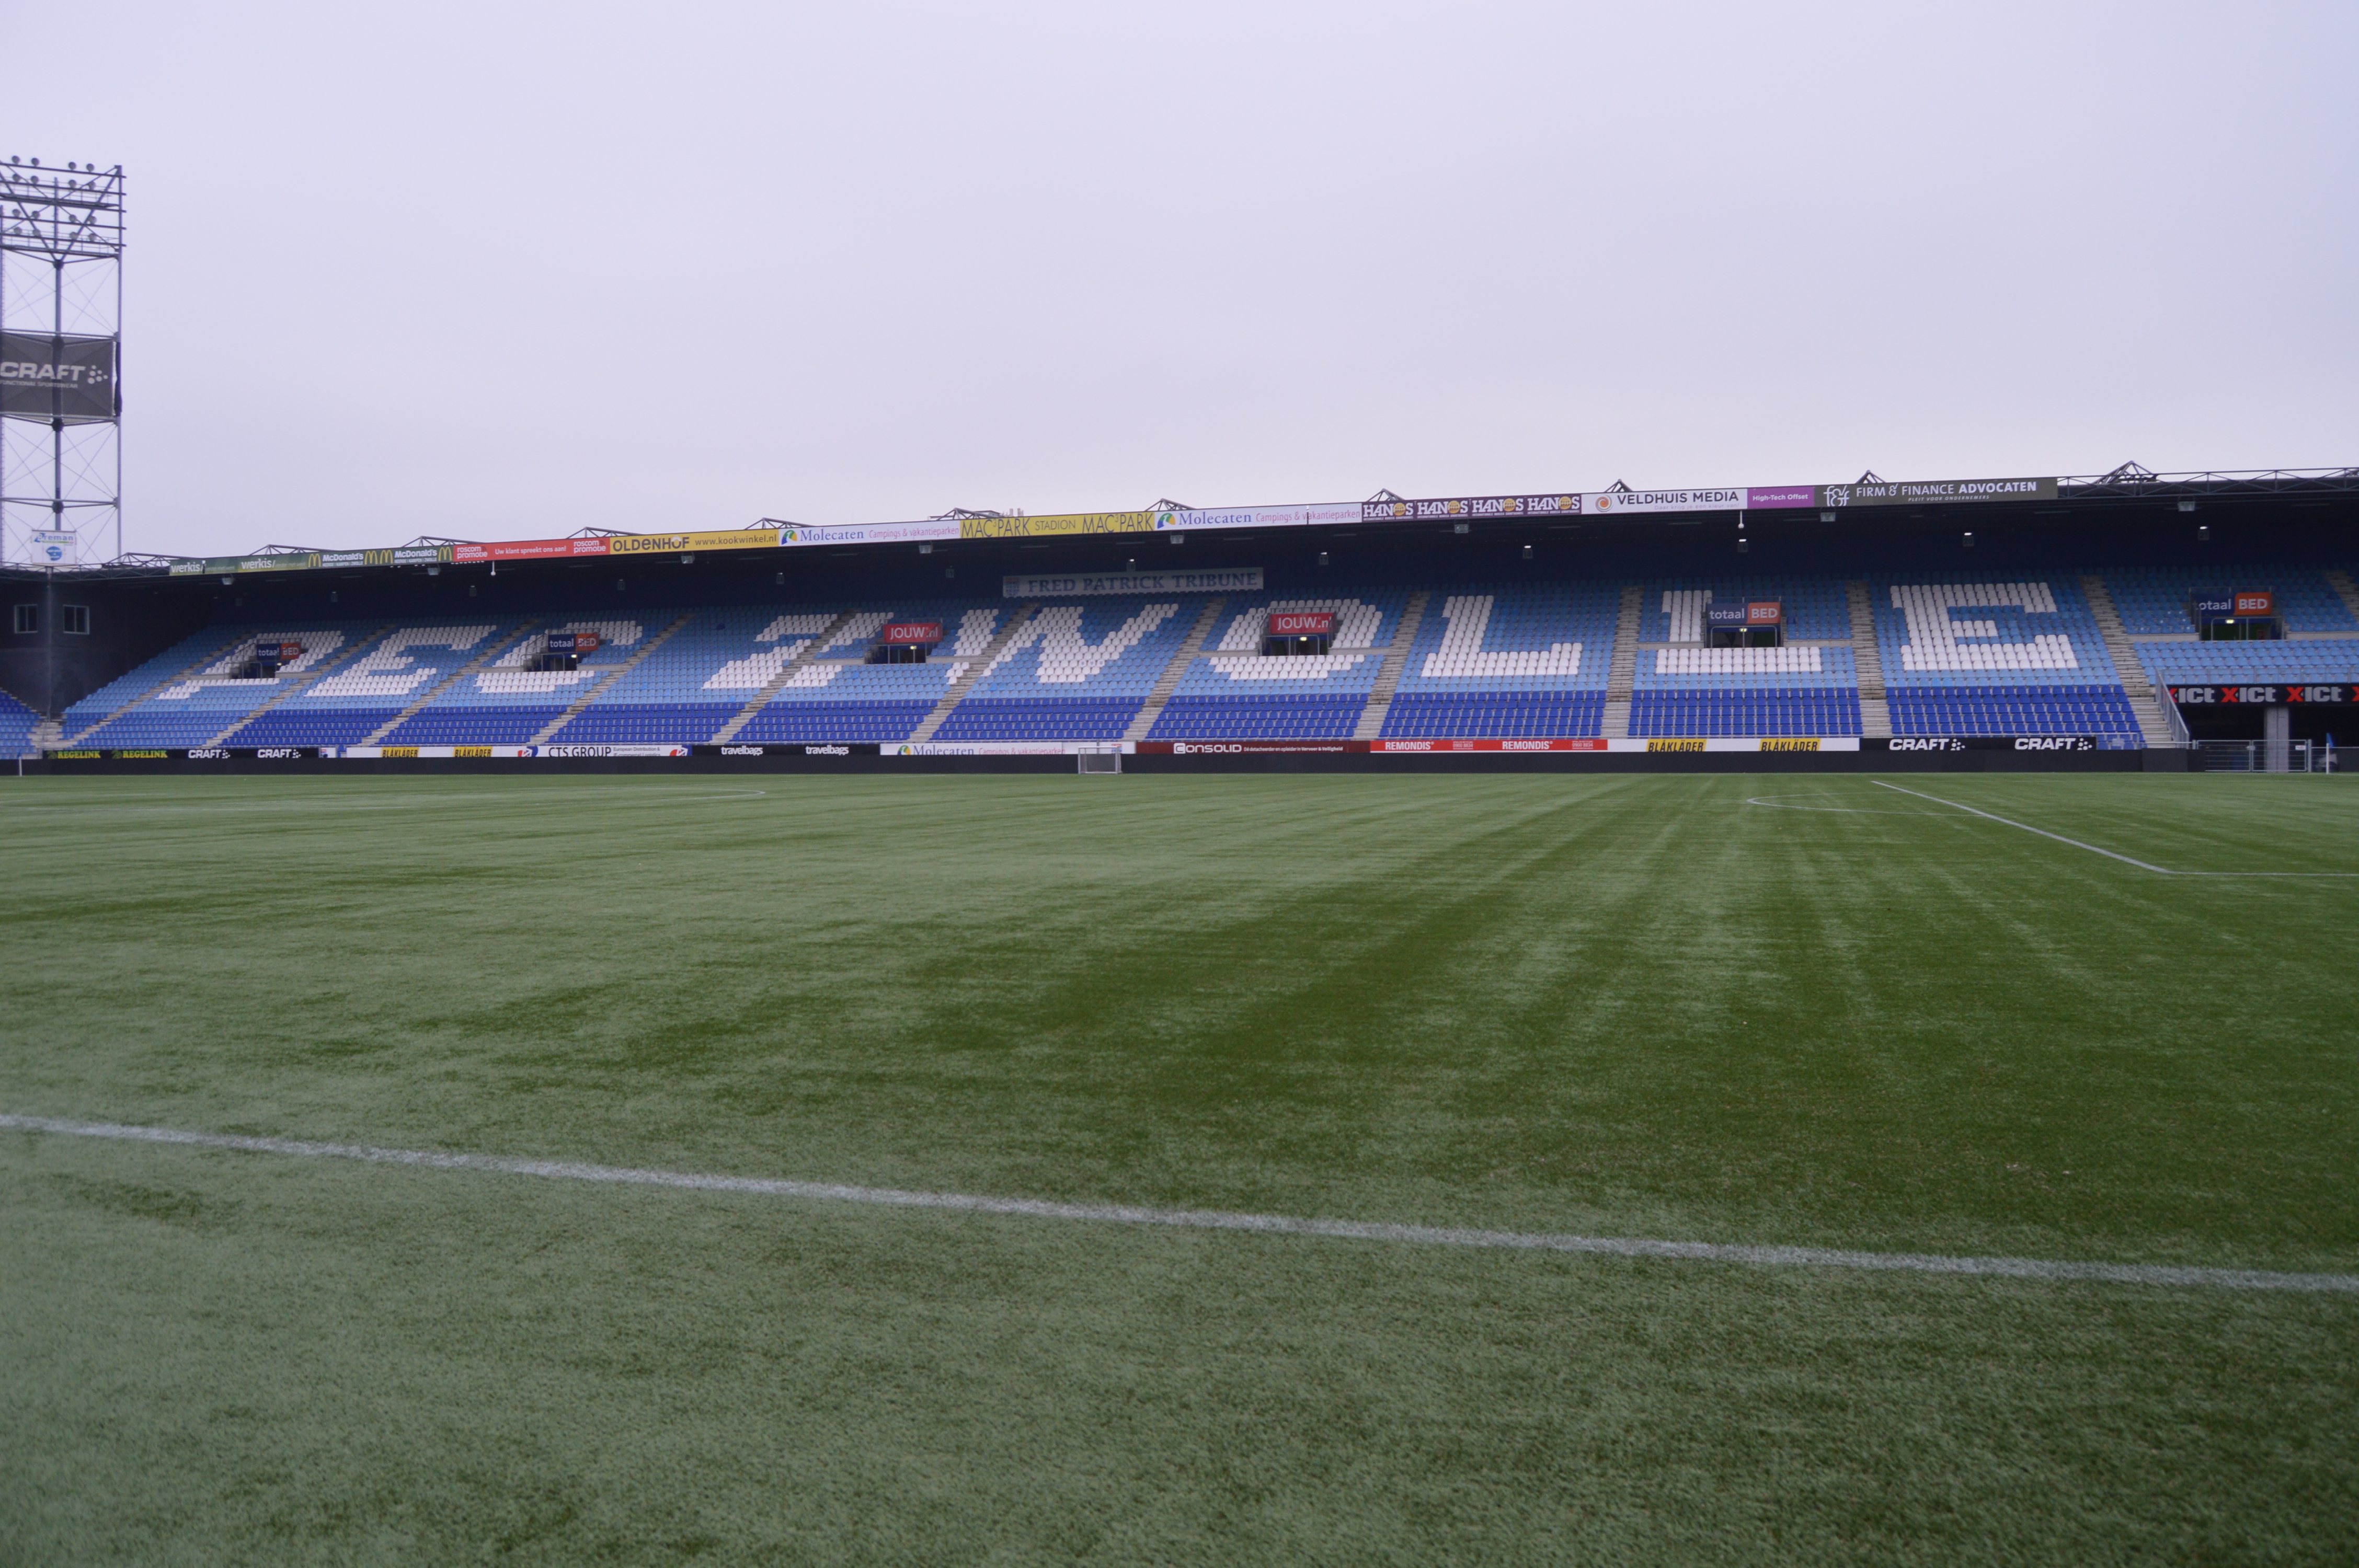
(2263, 757)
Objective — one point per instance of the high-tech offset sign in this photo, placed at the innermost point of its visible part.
(46, 376)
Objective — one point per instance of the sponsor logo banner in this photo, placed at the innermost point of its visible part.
(2266, 696)
(664, 544)
(1010, 748)
(528, 549)
(622, 750)
(791, 749)
(1459, 508)
(1608, 503)
(1052, 526)
(1302, 623)
(1313, 516)
(49, 376)
(571, 642)
(1919, 493)
(1771, 497)
(1734, 743)
(56, 547)
(911, 632)
(226, 566)
(1069, 585)
(1478, 743)
(797, 534)
(2256, 602)
(1242, 748)
(1765, 612)
(1902, 743)
(427, 752)
(1724, 615)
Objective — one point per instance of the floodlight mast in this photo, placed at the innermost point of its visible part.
(63, 333)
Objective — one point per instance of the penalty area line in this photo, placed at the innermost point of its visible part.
(1215, 1219)
(2094, 849)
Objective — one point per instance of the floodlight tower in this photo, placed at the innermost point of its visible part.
(61, 362)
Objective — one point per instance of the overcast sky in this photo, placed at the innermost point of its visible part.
(498, 271)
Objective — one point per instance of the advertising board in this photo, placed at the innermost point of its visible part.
(1069, 585)
(1627, 501)
(911, 632)
(686, 543)
(529, 550)
(1318, 516)
(1302, 623)
(56, 547)
(1461, 508)
(2261, 696)
(58, 375)
(792, 536)
(1056, 525)
(1920, 492)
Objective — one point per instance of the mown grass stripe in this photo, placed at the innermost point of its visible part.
(1214, 1219)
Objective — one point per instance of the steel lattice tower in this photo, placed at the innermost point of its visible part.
(61, 321)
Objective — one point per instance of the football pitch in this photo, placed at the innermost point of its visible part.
(1181, 1169)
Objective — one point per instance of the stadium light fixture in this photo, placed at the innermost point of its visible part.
(1528, 552)
(1970, 539)
(1323, 557)
(1743, 546)
(2187, 506)
(2203, 533)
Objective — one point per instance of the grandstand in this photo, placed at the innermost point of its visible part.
(1851, 635)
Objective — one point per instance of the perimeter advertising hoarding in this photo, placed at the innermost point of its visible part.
(528, 549)
(46, 375)
(930, 532)
(225, 565)
(1920, 492)
(1318, 515)
(2260, 696)
(1068, 585)
(1046, 527)
(1618, 502)
(407, 555)
(1459, 508)
(664, 544)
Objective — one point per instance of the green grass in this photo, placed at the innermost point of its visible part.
(1634, 1005)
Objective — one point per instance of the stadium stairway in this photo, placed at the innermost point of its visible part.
(646, 645)
(46, 736)
(2339, 581)
(787, 672)
(974, 673)
(376, 736)
(1189, 647)
(2127, 667)
(1388, 674)
(1621, 675)
(297, 684)
(1875, 713)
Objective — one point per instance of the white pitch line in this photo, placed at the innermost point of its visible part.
(2158, 870)
(1215, 1219)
